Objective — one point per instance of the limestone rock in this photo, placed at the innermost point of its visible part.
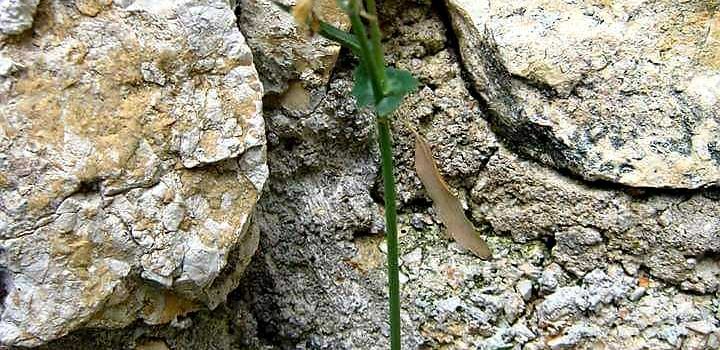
(16, 16)
(318, 281)
(291, 61)
(132, 153)
(623, 91)
(674, 236)
(579, 249)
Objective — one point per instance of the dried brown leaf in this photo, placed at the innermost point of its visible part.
(448, 206)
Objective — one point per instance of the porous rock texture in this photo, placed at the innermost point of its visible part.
(132, 155)
(577, 264)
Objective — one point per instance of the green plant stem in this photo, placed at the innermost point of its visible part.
(376, 66)
(386, 153)
(366, 51)
(375, 38)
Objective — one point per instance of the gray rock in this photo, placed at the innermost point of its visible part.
(629, 224)
(414, 257)
(123, 198)
(607, 286)
(551, 277)
(702, 327)
(625, 92)
(513, 306)
(449, 305)
(565, 302)
(521, 333)
(499, 341)
(574, 336)
(292, 63)
(579, 249)
(673, 334)
(637, 293)
(16, 16)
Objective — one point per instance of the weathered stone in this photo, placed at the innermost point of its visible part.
(319, 281)
(16, 16)
(573, 336)
(525, 288)
(659, 231)
(579, 249)
(622, 91)
(292, 62)
(132, 153)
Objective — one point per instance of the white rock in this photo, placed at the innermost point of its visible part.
(134, 168)
(702, 327)
(16, 16)
(525, 287)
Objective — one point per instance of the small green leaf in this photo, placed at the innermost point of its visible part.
(398, 84)
(388, 105)
(343, 38)
(343, 5)
(363, 90)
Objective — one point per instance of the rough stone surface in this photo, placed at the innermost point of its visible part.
(674, 236)
(291, 61)
(16, 16)
(577, 265)
(132, 154)
(624, 91)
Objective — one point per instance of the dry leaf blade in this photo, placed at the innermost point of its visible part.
(448, 206)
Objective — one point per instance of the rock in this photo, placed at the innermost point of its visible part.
(292, 63)
(566, 301)
(551, 277)
(673, 334)
(620, 91)
(574, 336)
(513, 306)
(702, 327)
(318, 280)
(450, 304)
(499, 340)
(629, 224)
(521, 333)
(637, 293)
(414, 257)
(579, 249)
(16, 16)
(124, 196)
(525, 288)
(607, 286)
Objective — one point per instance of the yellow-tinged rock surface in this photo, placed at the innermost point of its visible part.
(132, 153)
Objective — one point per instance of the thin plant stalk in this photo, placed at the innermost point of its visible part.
(375, 38)
(366, 51)
(385, 141)
(387, 88)
(386, 159)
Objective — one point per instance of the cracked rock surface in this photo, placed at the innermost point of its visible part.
(132, 155)
(623, 91)
(577, 264)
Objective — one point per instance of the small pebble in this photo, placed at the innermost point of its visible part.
(637, 293)
(524, 287)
